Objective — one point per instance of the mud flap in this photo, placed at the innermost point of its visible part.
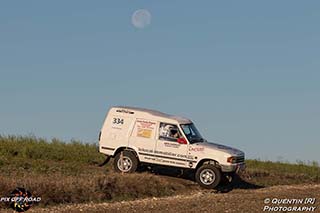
(105, 161)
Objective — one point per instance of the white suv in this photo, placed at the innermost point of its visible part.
(134, 135)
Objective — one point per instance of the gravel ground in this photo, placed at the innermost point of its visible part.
(237, 200)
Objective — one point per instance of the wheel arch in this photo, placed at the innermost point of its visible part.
(208, 161)
(124, 148)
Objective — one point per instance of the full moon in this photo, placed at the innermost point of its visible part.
(141, 18)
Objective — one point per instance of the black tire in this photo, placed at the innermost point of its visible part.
(208, 176)
(130, 162)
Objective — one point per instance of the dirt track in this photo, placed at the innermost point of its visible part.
(237, 200)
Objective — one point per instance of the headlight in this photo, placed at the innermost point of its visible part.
(231, 159)
(235, 159)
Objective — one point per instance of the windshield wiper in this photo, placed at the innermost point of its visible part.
(195, 140)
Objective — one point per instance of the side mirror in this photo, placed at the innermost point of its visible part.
(182, 140)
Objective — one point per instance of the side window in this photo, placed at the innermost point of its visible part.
(169, 132)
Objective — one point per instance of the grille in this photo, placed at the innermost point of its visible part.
(239, 159)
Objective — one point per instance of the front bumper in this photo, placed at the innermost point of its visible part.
(238, 167)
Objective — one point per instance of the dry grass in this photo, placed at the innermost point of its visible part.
(57, 188)
(267, 173)
(62, 172)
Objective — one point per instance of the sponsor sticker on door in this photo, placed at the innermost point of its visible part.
(145, 128)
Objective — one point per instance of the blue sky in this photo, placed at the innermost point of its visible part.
(246, 72)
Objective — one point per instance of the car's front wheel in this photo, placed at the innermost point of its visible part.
(126, 162)
(208, 176)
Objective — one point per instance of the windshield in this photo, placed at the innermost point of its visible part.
(192, 133)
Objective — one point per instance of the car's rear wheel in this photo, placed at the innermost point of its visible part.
(125, 161)
(208, 176)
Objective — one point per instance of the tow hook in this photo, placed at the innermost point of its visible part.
(229, 178)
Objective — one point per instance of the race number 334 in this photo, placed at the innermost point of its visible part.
(118, 121)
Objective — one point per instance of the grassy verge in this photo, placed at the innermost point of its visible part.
(32, 148)
(58, 188)
(62, 172)
(267, 173)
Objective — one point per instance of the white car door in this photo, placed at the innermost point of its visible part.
(171, 147)
(143, 139)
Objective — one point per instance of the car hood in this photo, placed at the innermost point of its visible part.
(226, 149)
